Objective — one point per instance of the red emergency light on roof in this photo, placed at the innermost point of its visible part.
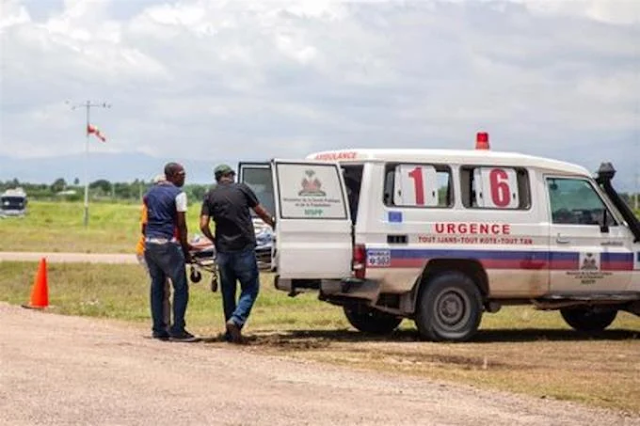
(482, 140)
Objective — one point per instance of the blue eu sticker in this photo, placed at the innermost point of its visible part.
(395, 217)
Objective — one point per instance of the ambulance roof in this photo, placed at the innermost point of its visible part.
(449, 156)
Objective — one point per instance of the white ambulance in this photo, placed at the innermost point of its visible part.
(13, 202)
(441, 236)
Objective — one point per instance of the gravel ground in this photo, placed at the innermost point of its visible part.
(60, 370)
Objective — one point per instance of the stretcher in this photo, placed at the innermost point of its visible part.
(204, 260)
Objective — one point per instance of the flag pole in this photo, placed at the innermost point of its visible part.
(87, 105)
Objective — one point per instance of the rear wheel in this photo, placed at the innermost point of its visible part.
(588, 319)
(371, 320)
(449, 308)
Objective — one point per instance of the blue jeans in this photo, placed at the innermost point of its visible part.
(167, 261)
(241, 266)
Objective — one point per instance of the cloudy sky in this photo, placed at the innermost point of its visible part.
(196, 79)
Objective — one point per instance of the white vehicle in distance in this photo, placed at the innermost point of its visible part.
(443, 236)
(13, 202)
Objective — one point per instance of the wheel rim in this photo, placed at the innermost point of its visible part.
(452, 309)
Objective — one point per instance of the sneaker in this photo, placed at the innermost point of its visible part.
(184, 336)
(234, 333)
(160, 336)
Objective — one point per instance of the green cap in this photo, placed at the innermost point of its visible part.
(223, 169)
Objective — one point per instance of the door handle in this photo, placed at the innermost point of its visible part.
(562, 240)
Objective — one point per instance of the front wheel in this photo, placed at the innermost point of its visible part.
(371, 320)
(449, 308)
(588, 319)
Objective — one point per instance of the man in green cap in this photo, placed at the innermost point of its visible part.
(228, 204)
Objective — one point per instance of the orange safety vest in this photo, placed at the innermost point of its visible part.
(143, 220)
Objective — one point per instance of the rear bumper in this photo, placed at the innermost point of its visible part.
(351, 288)
(343, 289)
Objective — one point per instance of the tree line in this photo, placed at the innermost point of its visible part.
(105, 190)
(99, 190)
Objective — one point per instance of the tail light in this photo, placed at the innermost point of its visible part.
(359, 261)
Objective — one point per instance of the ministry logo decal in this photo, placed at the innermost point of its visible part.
(311, 185)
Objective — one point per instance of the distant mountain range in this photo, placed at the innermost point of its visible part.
(122, 167)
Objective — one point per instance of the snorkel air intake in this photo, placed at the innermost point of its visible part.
(605, 174)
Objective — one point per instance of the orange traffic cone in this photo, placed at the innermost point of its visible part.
(40, 291)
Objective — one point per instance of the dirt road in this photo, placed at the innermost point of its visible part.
(58, 370)
(68, 257)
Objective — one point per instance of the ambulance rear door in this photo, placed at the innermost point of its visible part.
(313, 225)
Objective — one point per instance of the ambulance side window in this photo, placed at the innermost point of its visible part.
(575, 202)
(503, 188)
(418, 185)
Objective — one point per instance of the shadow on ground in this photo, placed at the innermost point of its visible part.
(320, 338)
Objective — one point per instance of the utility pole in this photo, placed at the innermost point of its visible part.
(87, 105)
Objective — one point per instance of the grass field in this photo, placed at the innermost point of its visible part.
(518, 349)
(58, 227)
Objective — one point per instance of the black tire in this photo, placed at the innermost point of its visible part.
(370, 320)
(449, 308)
(588, 319)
